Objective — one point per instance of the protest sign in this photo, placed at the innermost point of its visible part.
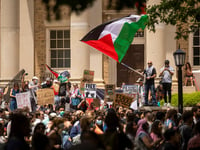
(110, 92)
(62, 89)
(23, 100)
(88, 76)
(45, 96)
(130, 90)
(123, 100)
(90, 90)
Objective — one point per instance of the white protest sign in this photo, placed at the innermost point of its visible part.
(23, 100)
(134, 105)
(90, 90)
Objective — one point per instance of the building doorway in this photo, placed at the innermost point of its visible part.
(135, 59)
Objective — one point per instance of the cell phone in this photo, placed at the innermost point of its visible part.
(26, 74)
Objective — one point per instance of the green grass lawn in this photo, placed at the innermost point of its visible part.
(189, 99)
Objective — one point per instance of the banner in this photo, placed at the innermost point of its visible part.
(23, 100)
(109, 92)
(45, 96)
(90, 90)
(123, 100)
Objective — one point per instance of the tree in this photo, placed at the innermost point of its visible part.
(185, 14)
(80, 5)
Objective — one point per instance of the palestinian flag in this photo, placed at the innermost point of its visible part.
(113, 38)
(62, 77)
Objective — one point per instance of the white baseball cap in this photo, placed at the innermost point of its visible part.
(35, 78)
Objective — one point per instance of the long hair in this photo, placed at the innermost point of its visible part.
(154, 128)
(189, 66)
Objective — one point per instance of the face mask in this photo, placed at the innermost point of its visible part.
(36, 81)
(99, 122)
(62, 113)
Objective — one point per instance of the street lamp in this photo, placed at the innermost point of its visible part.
(179, 57)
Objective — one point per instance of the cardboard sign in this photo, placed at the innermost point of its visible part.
(109, 92)
(90, 90)
(123, 100)
(130, 89)
(23, 100)
(88, 76)
(45, 96)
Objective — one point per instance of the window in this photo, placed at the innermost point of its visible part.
(60, 54)
(196, 48)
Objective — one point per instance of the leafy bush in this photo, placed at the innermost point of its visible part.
(189, 99)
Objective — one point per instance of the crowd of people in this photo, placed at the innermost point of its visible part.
(54, 128)
(71, 123)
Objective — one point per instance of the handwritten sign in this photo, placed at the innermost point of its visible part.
(123, 100)
(45, 96)
(110, 92)
(88, 76)
(23, 100)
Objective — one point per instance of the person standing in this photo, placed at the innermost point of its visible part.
(150, 74)
(166, 74)
(13, 102)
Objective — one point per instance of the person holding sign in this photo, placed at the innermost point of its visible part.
(76, 97)
(13, 92)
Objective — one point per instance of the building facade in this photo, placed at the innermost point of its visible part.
(29, 41)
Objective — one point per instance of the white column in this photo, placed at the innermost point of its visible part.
(96, 57)
(80, 56)
(26, 47)
(155, 47)
(9, 38)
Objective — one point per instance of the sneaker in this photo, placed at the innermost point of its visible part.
(168, 105)
(165, 104)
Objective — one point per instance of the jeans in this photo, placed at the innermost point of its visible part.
(153, 94)
(13, 104)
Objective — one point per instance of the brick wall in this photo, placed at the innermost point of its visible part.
(39, 39)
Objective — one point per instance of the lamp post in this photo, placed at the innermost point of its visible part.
(179, 57)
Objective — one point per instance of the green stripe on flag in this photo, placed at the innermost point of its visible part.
(126, 36)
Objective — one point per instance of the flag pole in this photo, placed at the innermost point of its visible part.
(132, 69)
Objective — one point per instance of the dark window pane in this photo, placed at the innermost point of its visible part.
(66, 34)
(53, 44)
(196, 41)
(60, 34)
(196, 33)
(53, 53)
(53, 34)
(60, 63)
(60, 44)
(60, 53)
(196, 51)
(67, 53)
(67, 63)
(53, 63)
(196, 61)
(66, 43)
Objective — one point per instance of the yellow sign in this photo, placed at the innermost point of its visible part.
(45, 96)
